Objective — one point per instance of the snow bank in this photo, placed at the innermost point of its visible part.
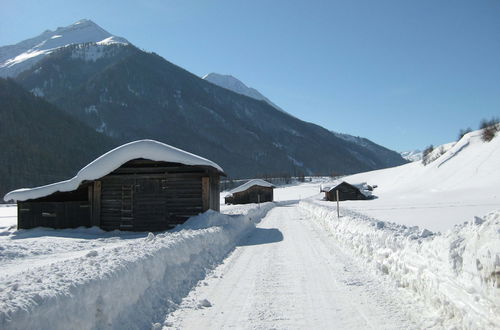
(147, 149)
(457, 272)
(130, 286)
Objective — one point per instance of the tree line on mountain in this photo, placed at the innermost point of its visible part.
(41, 144)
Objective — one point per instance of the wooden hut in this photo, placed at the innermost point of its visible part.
(140, 186)
(254, 191)
(346, 191)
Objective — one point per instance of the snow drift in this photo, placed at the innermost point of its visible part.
(129, 286)
(458, 272)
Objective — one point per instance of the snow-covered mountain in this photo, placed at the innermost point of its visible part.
(128, 94)
(237, 86)
(412, 156)
(19, 57)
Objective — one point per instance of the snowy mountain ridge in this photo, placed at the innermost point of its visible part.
(412, 155)
(237, 86)
(16, 58)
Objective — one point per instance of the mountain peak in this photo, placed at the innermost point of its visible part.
(233, 84)
(16, 58)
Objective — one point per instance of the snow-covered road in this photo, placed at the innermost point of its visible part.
(289, 274)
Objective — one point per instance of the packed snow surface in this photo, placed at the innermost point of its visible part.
(251, 183)
(147, 149)
(461, 182)
(19, 57)
(289, 274)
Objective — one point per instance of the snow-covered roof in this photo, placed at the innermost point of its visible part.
(251, 183)
(362, 187)
(110, 161)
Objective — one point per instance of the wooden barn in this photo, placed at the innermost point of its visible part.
(254, 191)
(140, 186)
(346, 191)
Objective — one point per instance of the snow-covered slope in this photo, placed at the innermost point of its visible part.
(16, 58)
(235, 85)
(461, 182)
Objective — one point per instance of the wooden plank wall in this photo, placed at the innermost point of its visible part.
(251, 195)
(215, 193)
(159, 202)
(70, 214)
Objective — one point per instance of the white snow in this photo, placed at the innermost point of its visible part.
(94, 51)
(251, 183)
(458, 185)
(147, 149)
(289, 274)
(290, 264)
(19, 57)
(412, 156)
(91, 109)
(456, 272)
(111, 280)
(37, 92)
(302, 267)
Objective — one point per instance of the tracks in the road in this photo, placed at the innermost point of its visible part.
(290, 274)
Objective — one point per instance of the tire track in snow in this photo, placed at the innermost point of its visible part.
(300, 281)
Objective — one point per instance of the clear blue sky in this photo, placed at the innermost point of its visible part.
(402, 73)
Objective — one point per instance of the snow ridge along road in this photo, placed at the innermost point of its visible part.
(289, 274)
(130, 285)
(454, 273)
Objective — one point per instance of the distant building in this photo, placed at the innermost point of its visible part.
(140, 186)
(254, 191)
(347, 191)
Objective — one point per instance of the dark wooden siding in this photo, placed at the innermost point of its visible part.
(141, 195)
(59, 210)
(70, 214)
(145, 203)
(346, 192)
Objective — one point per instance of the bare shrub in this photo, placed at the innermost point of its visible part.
(426, 154)
(490, 129)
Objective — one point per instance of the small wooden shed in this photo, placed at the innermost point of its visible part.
(254, 191)
(140, 186)
(346, 191)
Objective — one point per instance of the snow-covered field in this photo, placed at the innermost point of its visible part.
(462, 183)
(284, 265)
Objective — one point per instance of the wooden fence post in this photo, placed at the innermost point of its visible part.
(338, 210)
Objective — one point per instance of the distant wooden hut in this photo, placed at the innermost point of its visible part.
(254, 191)
(346, 191)
(140, 186)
